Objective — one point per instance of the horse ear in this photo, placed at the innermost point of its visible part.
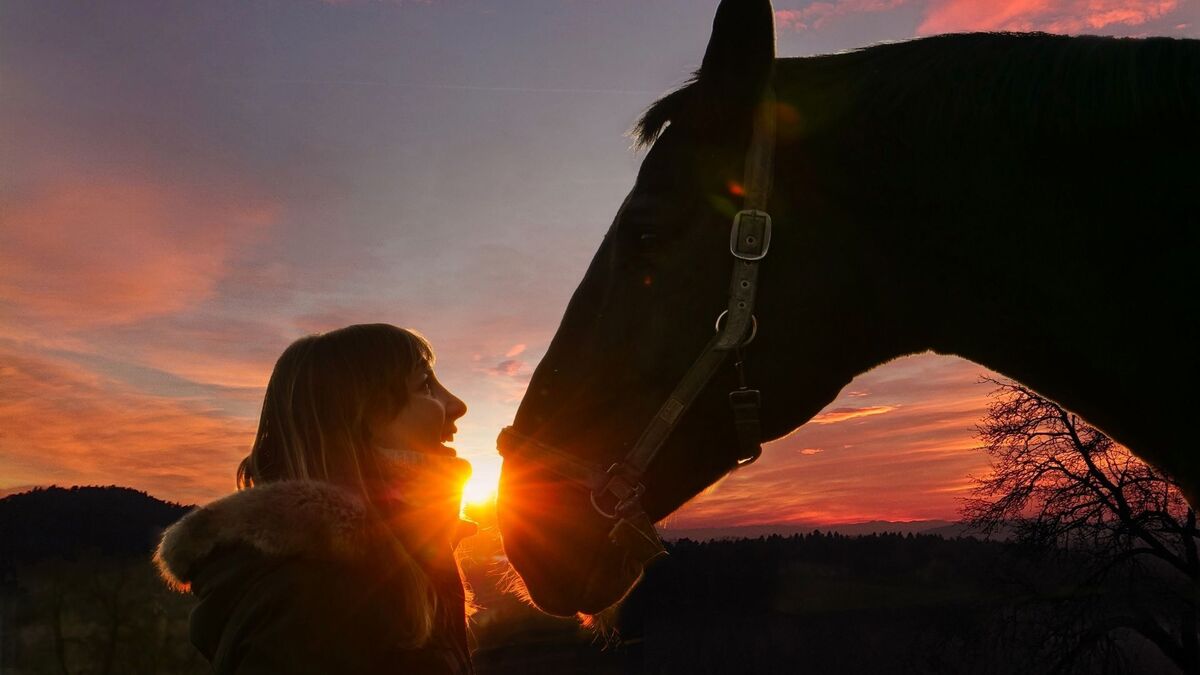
(740, 52)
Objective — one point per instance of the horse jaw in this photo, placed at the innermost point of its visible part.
(566, 564)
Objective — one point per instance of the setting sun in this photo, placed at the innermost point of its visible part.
(481, 486)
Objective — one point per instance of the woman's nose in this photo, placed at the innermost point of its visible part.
(455, 408)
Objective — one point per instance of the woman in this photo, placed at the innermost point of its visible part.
(336, 555)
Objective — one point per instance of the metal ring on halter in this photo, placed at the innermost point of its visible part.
(599, 509)
(753, 327)
(621, 507)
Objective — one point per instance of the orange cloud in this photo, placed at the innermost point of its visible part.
(68, 425)
(1055, 16)
(105, 251)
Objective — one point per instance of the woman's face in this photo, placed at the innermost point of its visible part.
(426, 422)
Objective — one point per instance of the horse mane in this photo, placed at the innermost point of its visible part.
(1050, 82)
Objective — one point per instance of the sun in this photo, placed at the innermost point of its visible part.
(481, 486)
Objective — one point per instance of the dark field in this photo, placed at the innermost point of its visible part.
(807, 603)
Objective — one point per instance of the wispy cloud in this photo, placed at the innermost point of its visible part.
(949, 16)
(816, 15)
(844, 414)
(1055, 16)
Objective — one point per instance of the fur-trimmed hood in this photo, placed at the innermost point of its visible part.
(302, 577)
(305, 518)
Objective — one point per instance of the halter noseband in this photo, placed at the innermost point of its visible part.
(616, 492)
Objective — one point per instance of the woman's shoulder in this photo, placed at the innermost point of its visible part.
(309, 520)
(289, 578)
(259, 613)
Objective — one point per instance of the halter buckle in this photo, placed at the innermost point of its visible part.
(622, 483)
(750, 236)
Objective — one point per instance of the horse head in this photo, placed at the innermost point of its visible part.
(643, 312)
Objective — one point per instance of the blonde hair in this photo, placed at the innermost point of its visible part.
(324, 393)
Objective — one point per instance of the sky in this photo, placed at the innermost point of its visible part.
(187, 187)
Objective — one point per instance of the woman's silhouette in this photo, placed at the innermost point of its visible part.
(336, 555)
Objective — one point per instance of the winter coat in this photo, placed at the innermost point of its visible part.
(291, 580)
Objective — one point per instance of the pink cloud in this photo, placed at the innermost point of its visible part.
(1056, 16)
(104, 251)
(508, 368)
(816, 15)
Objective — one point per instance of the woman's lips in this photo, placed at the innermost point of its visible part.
(446, 438)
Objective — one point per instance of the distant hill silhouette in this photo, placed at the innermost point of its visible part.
(57, 522)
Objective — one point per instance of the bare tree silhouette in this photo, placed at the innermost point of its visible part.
(1062, 485)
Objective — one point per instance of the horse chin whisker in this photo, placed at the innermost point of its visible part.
(603, 625)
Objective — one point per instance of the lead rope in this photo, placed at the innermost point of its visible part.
(746, 403)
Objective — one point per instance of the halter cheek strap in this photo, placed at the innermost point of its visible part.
(616, 492)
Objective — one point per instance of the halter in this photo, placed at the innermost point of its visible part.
(616, 492)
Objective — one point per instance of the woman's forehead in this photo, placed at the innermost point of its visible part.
(420, 369)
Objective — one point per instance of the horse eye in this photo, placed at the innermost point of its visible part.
(648, 237)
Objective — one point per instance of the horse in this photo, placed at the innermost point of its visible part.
(1029, 202)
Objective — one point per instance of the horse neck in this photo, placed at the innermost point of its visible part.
(1015, 252)
(1045, 229)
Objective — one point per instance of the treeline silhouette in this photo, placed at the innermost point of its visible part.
(78, 595)
(57, 522)
(882, 603)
